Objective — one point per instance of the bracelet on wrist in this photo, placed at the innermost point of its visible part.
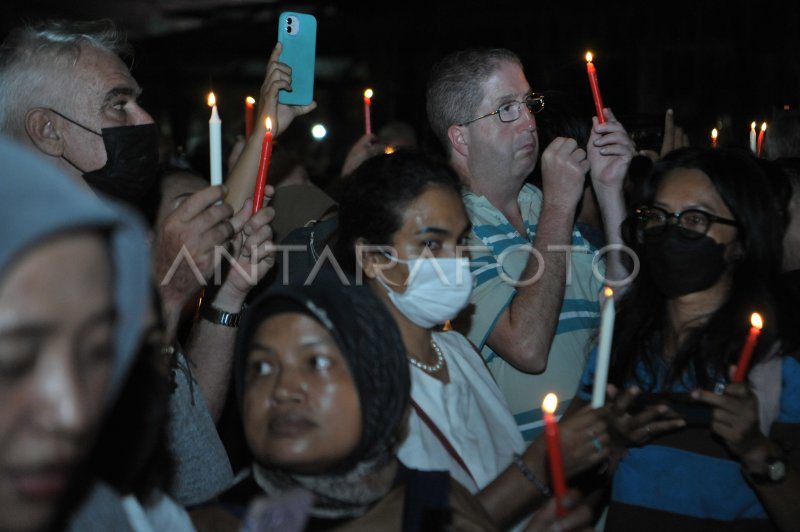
(528, 474)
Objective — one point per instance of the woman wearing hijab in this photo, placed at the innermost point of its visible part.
(323, 387)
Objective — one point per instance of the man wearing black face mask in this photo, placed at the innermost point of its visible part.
(65, 91)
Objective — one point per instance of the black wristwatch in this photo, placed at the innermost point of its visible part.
(220, 317)
(775, 473)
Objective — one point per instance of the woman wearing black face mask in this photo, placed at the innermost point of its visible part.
(696, 450)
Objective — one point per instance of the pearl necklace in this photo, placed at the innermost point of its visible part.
(428, 367)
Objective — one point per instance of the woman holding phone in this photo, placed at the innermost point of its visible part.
(710, 249)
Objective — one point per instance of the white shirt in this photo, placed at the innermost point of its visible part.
(471, 413)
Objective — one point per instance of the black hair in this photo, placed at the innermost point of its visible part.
(377, 193)
(711, 347)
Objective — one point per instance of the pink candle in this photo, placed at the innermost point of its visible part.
(367, 103)
(557, 477)
(749, 346)
(263, 168)
(598, 100)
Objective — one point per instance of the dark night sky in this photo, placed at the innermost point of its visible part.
(714, 62)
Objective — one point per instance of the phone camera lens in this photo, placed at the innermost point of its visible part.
(289, 30)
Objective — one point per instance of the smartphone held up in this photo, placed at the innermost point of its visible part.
(297, 33)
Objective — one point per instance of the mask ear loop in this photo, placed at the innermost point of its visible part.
(71, 121)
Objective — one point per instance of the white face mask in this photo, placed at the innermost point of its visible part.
(437, 289)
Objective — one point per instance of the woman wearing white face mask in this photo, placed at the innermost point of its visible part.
(402, 221)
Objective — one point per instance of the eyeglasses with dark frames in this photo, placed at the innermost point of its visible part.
(509, 112)
(694, 223)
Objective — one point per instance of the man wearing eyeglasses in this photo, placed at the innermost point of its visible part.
(535, 306)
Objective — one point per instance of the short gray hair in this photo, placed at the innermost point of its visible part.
(454, 91)
(30, 53)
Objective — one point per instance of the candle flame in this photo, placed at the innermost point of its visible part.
(753, 124)
(269, 124)
(756, 321)
(550, 403)
(212, 100)
(763, 126)
(589, 57)
(608, 292)
(714, 134)
(388, 150)
(368, 93)
(250, 101)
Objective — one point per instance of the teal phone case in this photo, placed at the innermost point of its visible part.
(297, 32)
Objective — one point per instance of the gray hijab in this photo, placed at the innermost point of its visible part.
(38, 201)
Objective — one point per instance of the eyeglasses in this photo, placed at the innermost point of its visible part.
(693, 223)
(512, 111)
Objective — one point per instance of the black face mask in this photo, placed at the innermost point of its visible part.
(131, 167)
(680, 265)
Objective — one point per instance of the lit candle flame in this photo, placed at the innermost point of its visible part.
(608, 292)
(753, 125)
(250, 101)
(269, 124)
(388, 150)
(763, 126)
(212, 100)
(550, 403)
(756, 321)
(368, 93)
(714, 133)
(589, 57)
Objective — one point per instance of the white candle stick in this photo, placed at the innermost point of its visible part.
(604, 350)
(215, 142)
(753, 137)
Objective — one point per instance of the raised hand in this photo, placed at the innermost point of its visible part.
(610, 152)
(564, 167)
(278, 77)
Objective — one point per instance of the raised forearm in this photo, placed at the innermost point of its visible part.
(524, 332)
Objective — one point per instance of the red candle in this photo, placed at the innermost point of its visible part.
(263, 167)
(249, 102)
(760, 144)
(557, 478)
(749, 346)
(367, 103)
(714, 135)
(598, 100)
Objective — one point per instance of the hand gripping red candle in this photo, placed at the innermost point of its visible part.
(249, 102)
(598, 100)
(557, 478)
(263, 168)
(367, 118)
(749, 346)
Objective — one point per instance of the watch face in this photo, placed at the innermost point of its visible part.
(776, 470)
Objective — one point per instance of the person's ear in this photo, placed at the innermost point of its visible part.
(365, 258)
(43, 132)
(459, 137)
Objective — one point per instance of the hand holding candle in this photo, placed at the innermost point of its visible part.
(367, 104)
(598, 100)
(263, 168)
(760, 144)
(554, 459)
(749, 346)
(215, 141)
(249, 102)
(604, 350)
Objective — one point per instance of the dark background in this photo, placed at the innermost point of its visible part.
(718, 64)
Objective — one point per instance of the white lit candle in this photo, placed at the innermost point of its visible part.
(753, 137)
(604, 350)
(215, 141)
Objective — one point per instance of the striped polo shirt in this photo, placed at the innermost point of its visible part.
(498, 254)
